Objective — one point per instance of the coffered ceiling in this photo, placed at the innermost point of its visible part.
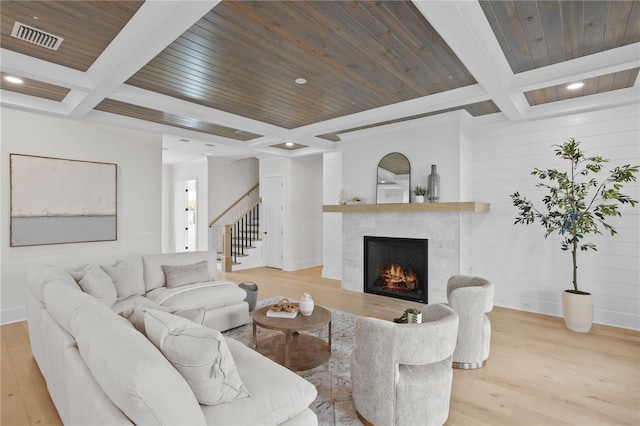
(220, 77)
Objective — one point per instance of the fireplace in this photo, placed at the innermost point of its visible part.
(396, 267)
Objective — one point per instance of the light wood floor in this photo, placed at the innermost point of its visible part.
(538, 373)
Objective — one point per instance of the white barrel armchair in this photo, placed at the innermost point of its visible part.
(401, 373)
(471, 297)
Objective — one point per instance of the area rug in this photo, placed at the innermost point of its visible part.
(334, 405)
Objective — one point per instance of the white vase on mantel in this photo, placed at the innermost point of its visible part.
(419, 198)
(306, 305)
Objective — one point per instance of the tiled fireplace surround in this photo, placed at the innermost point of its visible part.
(449, 235)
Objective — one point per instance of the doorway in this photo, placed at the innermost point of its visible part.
(273, 204)
(186, 214)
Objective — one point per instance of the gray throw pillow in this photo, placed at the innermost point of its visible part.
(199, 353)
(179, 275)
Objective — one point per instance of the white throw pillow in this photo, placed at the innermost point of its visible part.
(94, 281)
(179, 275)
(131, 371)
(199, 353)
(125, 279)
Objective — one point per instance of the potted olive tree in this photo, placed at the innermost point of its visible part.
(578, 202)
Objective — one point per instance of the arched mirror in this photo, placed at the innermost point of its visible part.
(394, 179)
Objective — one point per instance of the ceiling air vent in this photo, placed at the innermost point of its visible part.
(36, 36)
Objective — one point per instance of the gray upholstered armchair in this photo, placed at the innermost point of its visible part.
(471, 297)
(401, 373)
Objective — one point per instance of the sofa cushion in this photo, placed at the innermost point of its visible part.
(136, 315)
(277, 394)
(199, 353)
(210, 295)
(179, 275)
(93, 280)
(132, 372)
(154, 276)
(126, 279)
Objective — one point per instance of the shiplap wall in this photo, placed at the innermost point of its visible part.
(488, 163)
(528, 270)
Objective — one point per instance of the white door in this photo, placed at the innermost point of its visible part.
(273, 207)
(186, 204)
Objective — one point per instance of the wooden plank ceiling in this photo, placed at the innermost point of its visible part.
(535, 34)
(75, 21)
(243, 57)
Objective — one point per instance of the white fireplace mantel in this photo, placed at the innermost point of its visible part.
(462, 206)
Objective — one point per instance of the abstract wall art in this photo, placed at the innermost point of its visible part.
(57, 201)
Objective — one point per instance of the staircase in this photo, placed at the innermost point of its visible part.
(235, 234)
(241, 242)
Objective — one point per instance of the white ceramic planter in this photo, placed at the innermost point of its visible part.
(577, 310)
(419, 198)
(415, 318)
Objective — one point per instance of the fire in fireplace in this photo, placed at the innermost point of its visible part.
(395, 278)
(396, 267)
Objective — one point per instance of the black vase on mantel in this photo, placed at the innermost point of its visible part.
(433, 185)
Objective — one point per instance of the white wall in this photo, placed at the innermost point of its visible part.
(530, 272)
(168, 238)
(303, 214)
(228, 181)
(488, 163)
(139, 159)
(302, 181)
(426, 141)
(198, 170)
(332, 222)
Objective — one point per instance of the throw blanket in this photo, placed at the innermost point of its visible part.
(162, 294)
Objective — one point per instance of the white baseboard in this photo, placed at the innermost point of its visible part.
(334, 274)
(10, 315)
(301, 265)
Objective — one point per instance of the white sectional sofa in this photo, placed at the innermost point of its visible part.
(90, 342)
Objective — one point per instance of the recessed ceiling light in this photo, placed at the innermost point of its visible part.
(574, 86)
(301, 81)
(209, 144)
(14, 80)
(184, 140)
(289, 144)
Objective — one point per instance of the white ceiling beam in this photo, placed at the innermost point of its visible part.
(607, 62)
(464, 27)
(156, 25)
(30, 103)
(418, 106)
(598, 101)
(179, 107)
(159, 128)
(36, 69)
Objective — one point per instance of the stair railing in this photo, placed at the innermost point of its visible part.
(217, 227)
(240, 236)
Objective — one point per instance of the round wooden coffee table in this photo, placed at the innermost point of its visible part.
(293, 349)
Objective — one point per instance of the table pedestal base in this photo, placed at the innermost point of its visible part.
(301, 352)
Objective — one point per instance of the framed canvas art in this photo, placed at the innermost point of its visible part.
(57, 201)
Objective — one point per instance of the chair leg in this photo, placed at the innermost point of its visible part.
(469, 365)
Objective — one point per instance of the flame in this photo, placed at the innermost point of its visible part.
(395, 278)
